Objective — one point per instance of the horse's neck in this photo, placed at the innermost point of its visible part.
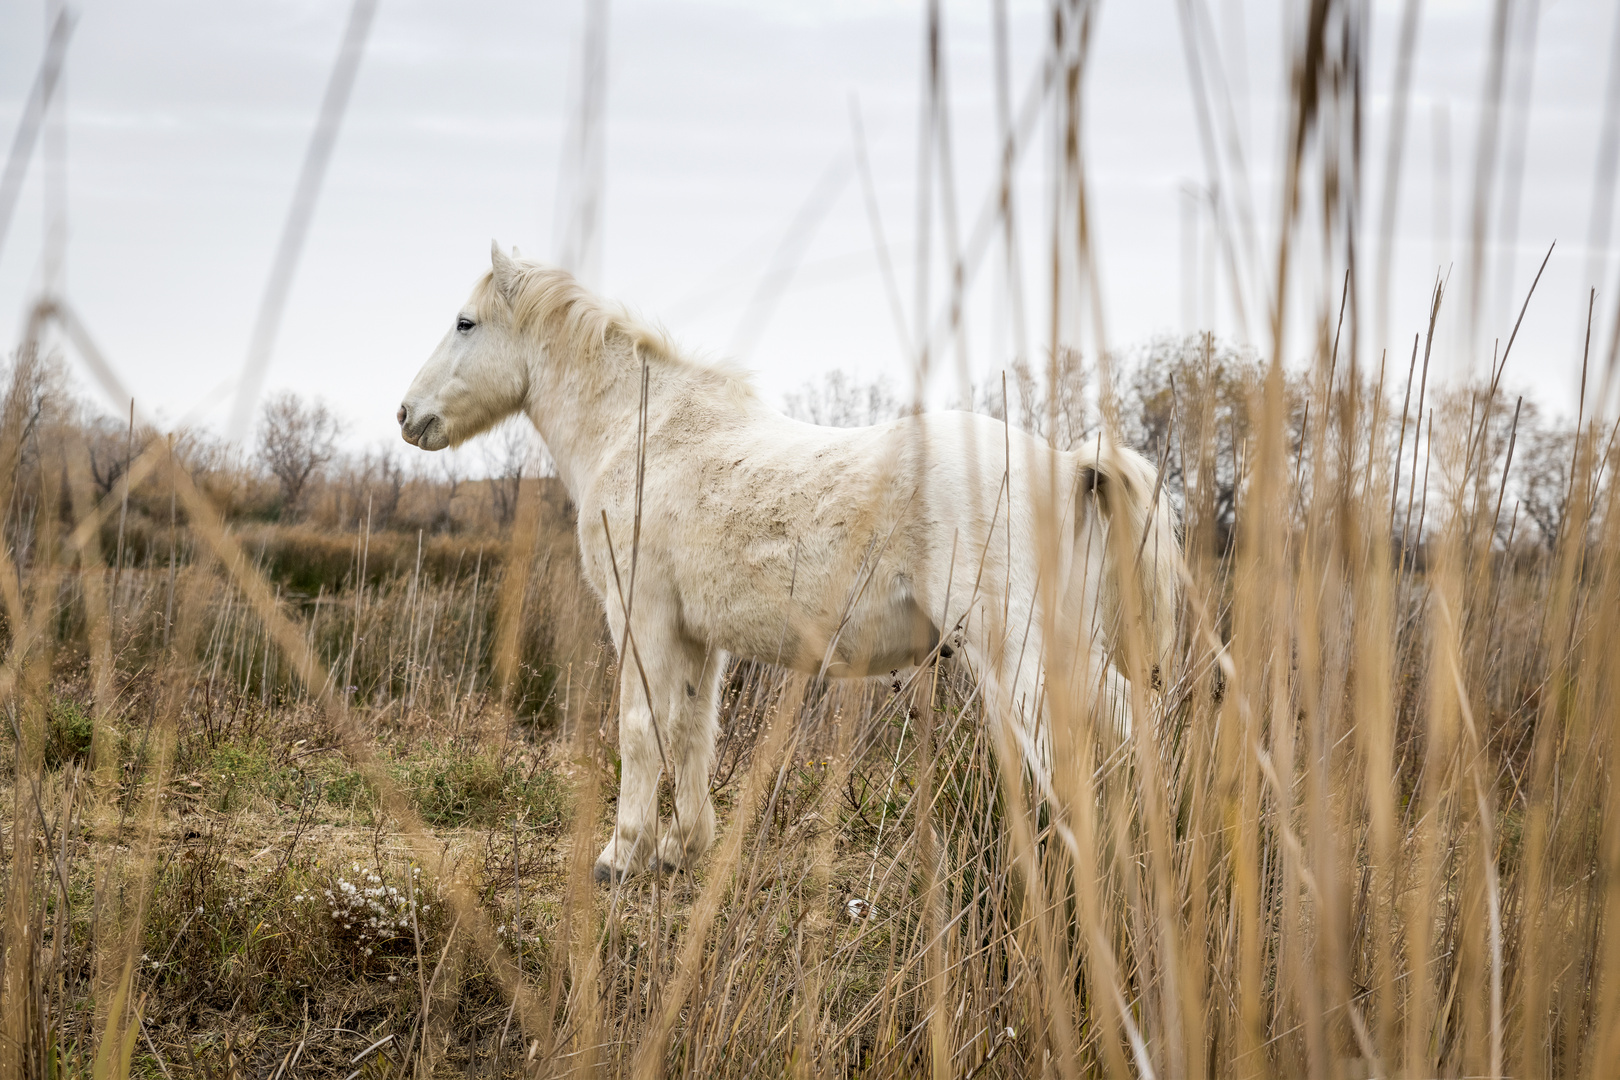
(587, 410)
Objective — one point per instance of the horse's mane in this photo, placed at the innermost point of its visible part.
(549, 304)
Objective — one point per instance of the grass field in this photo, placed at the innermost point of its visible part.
(308, 781)
(278, 791)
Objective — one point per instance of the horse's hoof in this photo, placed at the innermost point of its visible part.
(667, 867)
(606, 874)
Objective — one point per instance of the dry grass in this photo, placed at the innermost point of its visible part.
(1365, 831)
(1365, 825)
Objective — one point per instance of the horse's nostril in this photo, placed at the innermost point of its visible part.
(400, 416)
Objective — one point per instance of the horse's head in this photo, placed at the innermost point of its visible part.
(479, 374)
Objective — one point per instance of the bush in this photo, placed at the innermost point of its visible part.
(451, 787)
(69, 730)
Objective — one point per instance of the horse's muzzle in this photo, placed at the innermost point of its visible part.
(421, 429)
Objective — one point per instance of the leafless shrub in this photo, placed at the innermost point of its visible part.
(1541, 476)
(842, 400)
(1052, 402)
(511, 452)
(372, 483)
(1187, 401)
(297, 439)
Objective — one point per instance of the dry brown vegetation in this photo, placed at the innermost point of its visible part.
(1367, 822)
(306, 779)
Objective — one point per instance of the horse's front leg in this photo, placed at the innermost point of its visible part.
(692, 732)
(667, 689)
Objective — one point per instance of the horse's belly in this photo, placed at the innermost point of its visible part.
(884, 630)
(891, 633)
(774, 553)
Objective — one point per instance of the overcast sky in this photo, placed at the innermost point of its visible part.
(187, 122)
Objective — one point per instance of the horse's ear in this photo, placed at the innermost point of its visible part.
(505, 270)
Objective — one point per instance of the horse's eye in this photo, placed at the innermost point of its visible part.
(464, 324)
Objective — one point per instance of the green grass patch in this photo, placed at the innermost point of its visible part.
(450, 783)
(451, 786)
(69, 729)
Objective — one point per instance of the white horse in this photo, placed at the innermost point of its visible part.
(848, 552)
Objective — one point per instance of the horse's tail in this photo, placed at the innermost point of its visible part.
(1141, 561)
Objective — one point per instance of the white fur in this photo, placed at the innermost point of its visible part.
(838, 551)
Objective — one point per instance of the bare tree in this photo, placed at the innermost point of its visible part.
(297, 440)
(1052, 401)
(1049, 403)
(840, 400)
(31, 381)
(452, 469)
(1541, 473)
(511, 452)
(374, 482)
(1185, 401)
(24, 402)
(221, 468)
